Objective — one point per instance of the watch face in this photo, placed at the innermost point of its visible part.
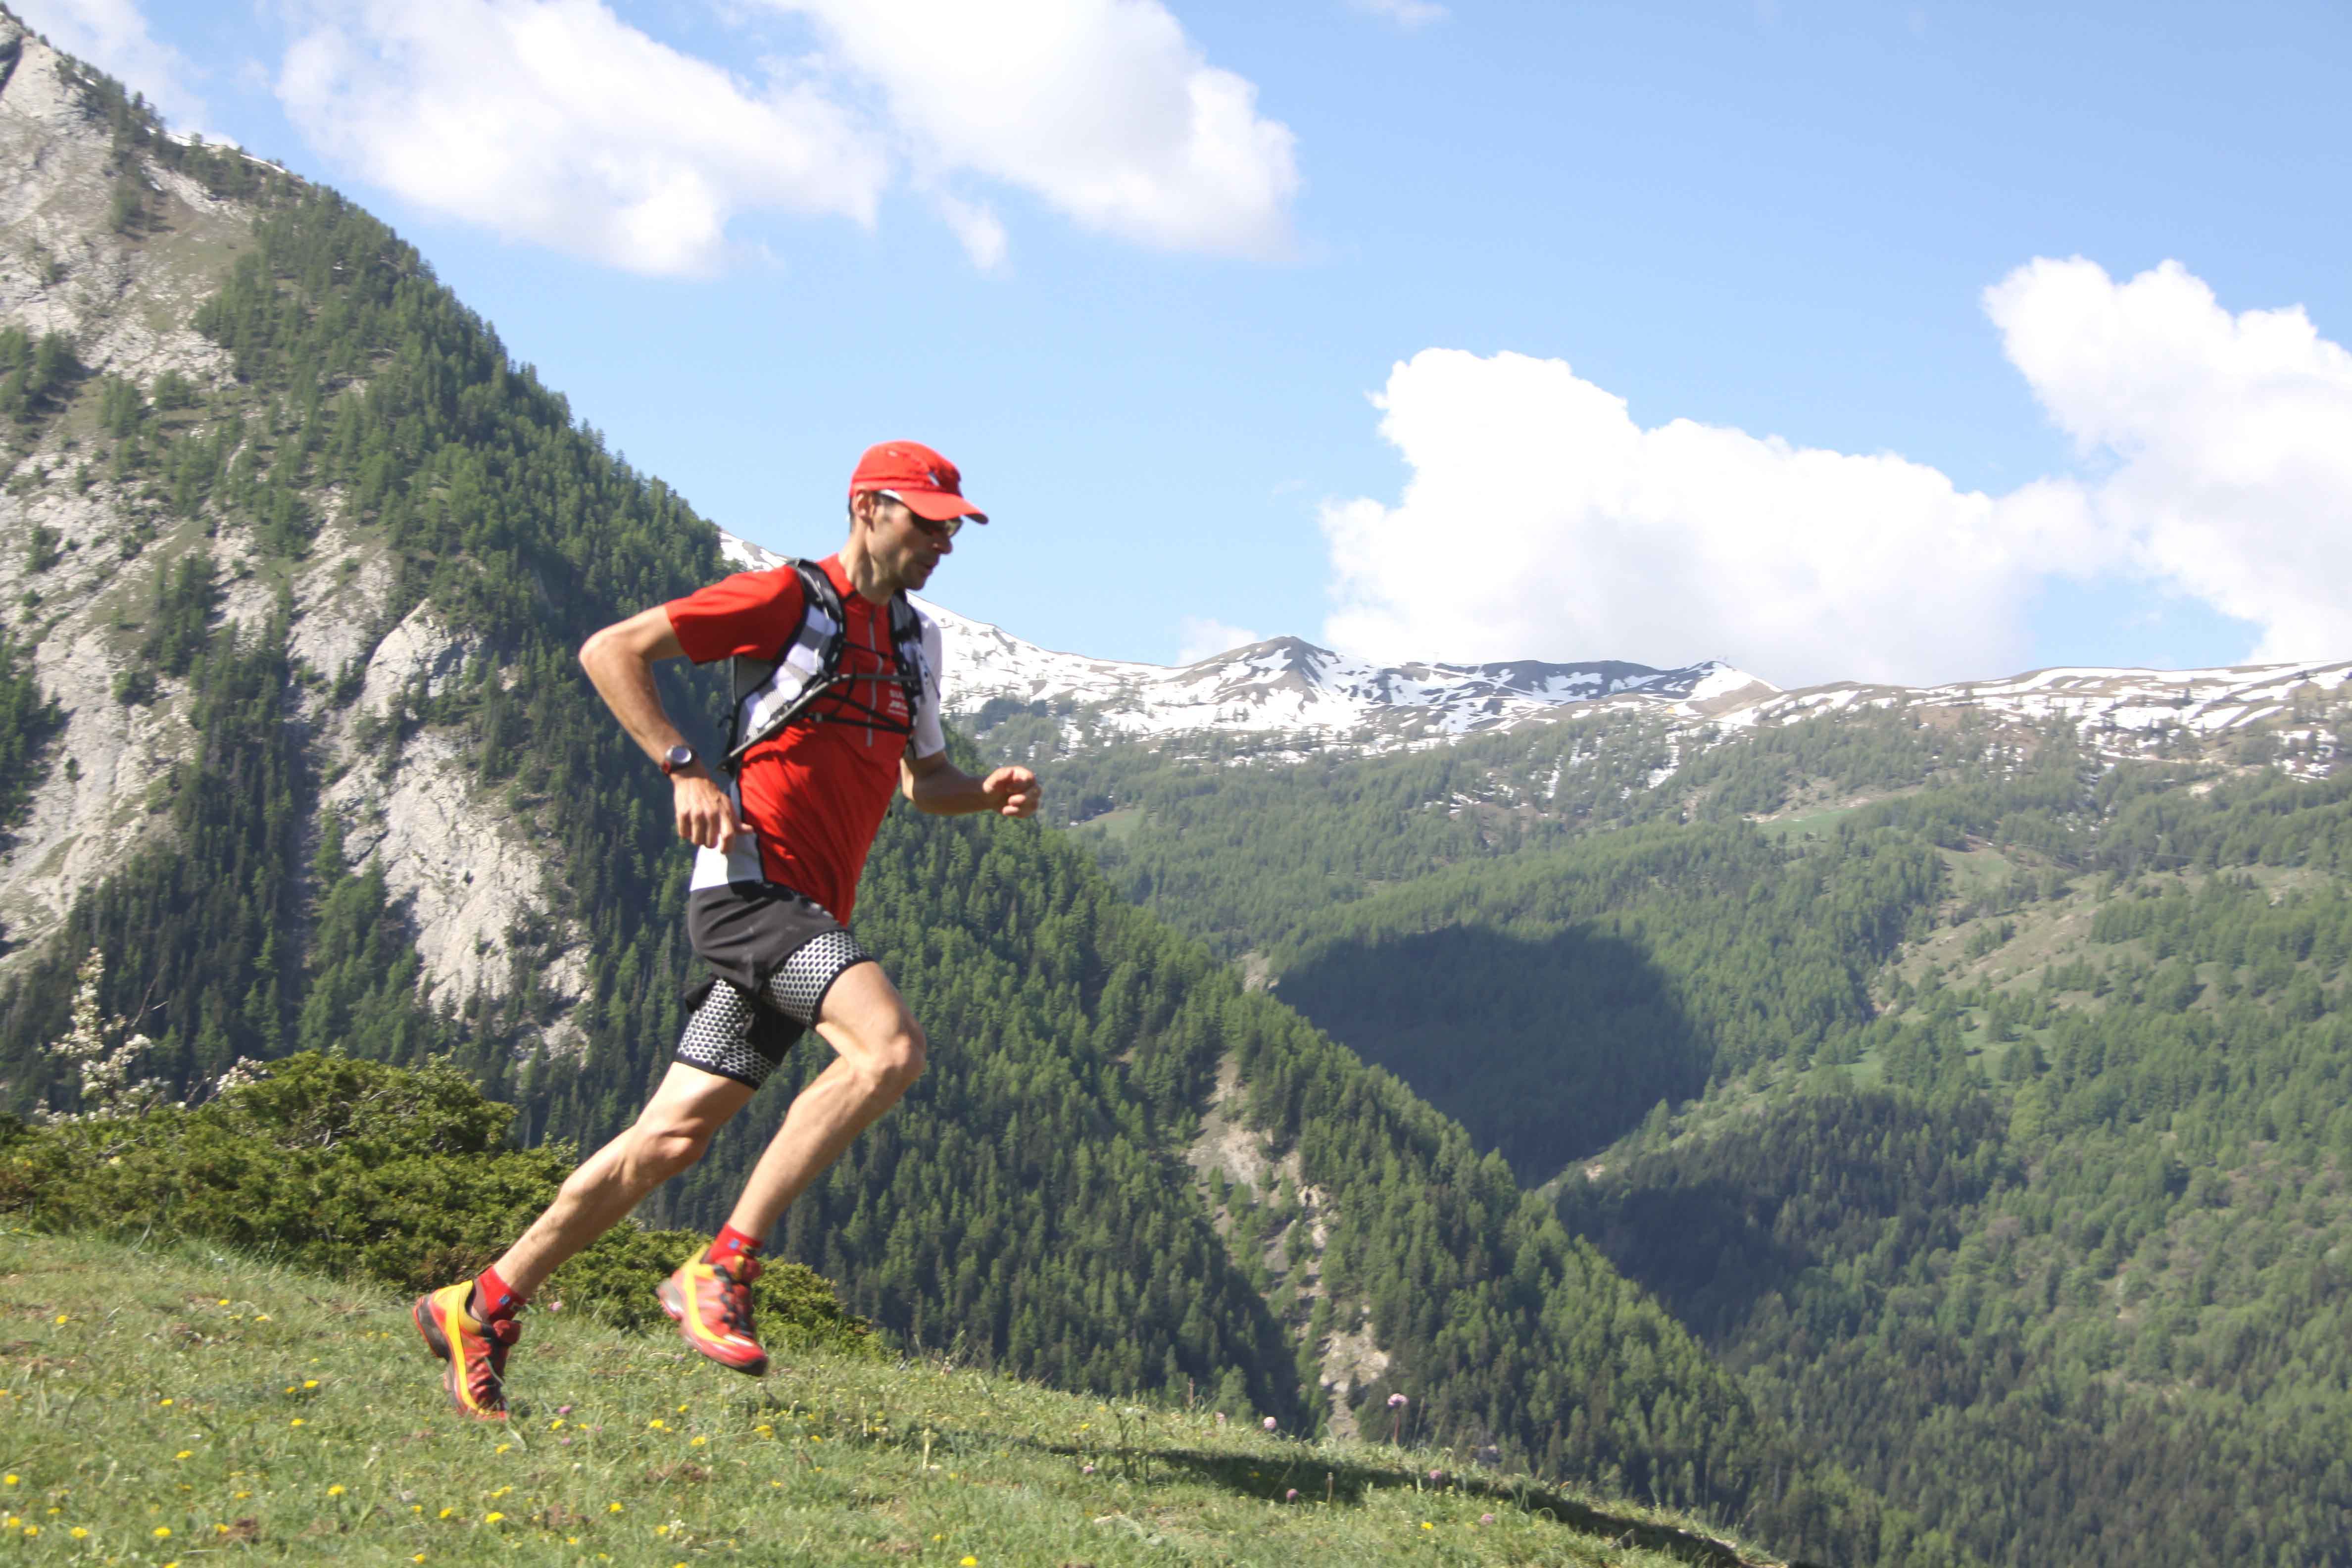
(678, 756)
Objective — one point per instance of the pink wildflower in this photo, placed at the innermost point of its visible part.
(1269, 1422)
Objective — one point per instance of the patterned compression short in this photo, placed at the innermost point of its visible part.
(743, 1037)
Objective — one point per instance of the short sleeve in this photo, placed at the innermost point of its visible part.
(752, 612)
(930, 739)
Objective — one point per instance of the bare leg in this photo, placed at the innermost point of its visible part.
(881, 1051)
(669, 1135)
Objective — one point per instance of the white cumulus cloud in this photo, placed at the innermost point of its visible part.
(112, 35)
(2226, 441)
(1104, 109)
(1200, 637)
(557, 121)
(1542, 520)
(554, 120)
(1539, 520)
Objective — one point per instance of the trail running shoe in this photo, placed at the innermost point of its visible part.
(713, 1308)
(476, 1352)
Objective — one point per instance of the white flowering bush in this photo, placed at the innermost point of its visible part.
(104, 1050)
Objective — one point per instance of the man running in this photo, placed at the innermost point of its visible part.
(775, 882)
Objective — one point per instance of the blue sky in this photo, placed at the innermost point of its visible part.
(1155, 358)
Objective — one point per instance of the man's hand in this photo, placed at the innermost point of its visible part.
(705, 814)
(1013, 792)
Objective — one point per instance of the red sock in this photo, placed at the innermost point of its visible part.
(493, 1298)
(731, 1248)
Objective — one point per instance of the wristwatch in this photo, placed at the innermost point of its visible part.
(676, 757)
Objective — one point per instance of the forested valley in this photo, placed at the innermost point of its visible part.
(1984, 1105)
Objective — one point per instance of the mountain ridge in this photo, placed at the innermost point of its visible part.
(1285, 687)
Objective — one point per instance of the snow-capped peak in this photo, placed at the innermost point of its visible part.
(1286, 685)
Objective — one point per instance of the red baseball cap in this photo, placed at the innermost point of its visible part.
(925, 481)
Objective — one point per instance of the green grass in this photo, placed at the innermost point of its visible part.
(178, 1404)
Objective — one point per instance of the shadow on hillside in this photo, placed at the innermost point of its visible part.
(1316, 1480)
(1707, 1250)
(1544, 1049)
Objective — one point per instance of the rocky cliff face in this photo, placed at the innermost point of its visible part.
(82, 553)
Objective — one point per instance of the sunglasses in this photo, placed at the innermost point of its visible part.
(937, 529)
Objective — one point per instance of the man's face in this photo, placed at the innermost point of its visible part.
(908, 547)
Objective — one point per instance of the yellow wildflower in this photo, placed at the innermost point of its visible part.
(698, 1442)
(310, 1383)
(163, 1532)
(492, 1517)
(335, 1491)
(185, 1453)
(612, 1508)
(296, 1422)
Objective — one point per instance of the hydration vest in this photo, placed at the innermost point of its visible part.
(772, 694)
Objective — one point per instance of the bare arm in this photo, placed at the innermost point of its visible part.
(620, 661)
(940, 787)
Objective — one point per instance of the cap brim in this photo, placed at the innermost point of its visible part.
(938, 505)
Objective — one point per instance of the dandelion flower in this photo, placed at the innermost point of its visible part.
(224, 1301)
(79, 1534)
(1427, 1525)
(241, 1496)
(448, 1512)
(261, 1316)
(185, 1453)
(697, 1443)
(968, 1562)
(63, 1317)
(502, 1447)
(297, 1421)
(163, 1532)
(612, 1508)
(31, 1531)
(310, 1383)
(661, 1529)
(164, 1402)
(492, 1517)
(556, 1425)
(335, 1491)
(657, 1425)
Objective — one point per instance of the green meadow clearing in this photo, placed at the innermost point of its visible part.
(175, 1403)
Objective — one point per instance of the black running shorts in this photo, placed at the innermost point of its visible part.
(772, 955)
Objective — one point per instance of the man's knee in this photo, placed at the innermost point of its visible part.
(662, 1146)
(894, 1059)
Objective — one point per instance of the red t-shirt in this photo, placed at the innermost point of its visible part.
(816, 793)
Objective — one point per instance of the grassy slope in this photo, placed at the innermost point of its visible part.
(178, 1405)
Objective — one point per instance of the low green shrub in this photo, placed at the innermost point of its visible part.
(365, 1170)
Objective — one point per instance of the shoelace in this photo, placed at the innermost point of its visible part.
(735, 1295)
